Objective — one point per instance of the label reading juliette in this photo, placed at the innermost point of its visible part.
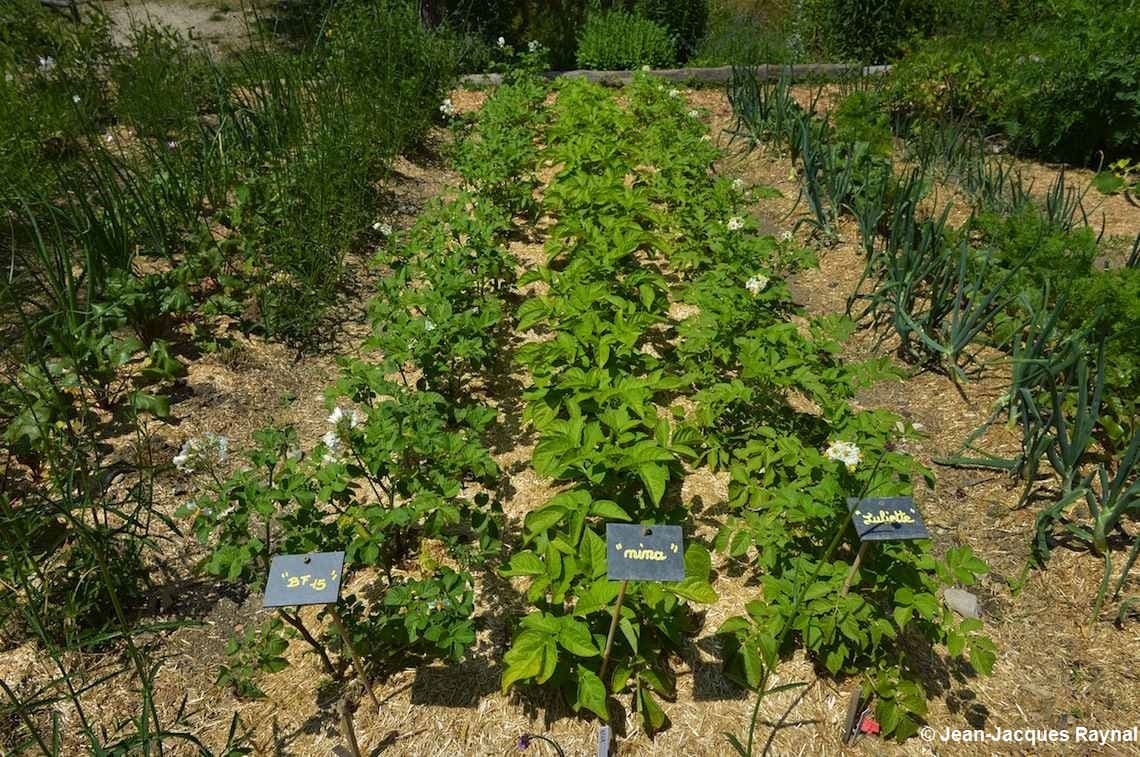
(644, 553)
(887, 519)
(312, 579)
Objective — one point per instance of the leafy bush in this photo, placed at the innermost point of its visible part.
(871, 31)
(685, 20)
(735, 38)
(1063, 89)
(616, 40)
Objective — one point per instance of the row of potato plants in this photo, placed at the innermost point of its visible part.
(629, 396)
(403, 481)
(1017, 275)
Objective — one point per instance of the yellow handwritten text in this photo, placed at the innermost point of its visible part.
(898, 516)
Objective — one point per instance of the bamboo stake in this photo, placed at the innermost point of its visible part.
(348, 730)
(339, 623)
(613, 629)
(854, 567)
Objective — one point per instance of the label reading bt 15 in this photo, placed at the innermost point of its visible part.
(312, 579)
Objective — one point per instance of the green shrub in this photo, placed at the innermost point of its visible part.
(1063, 90)
(872, 31)
(685, 20)
(1110, 301)
(616, 40)
(861, 118)
(735, 38)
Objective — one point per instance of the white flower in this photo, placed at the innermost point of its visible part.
(532, 46)
(694, 113)
(501, 42)
(75, 99)
(202, 452)
(738, 184)
(844, 452)
(447, 108)
(706, 138)
(339, 414)
(757, 284)
(645, 67)
(383, 228)
(674, 93)
(294, 453)
(46, 64)
(330, 440)
(109, 138)
(736, 223)
(786, 236)
(429, 325)
(171, 145)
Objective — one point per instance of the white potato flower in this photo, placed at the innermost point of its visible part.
(532, 46)
(757, 284)
(736, 223)
(339, 414)
(199, 453)
(501, 42)
(694, 113)
(447, 108)
(786, 236)
(738, 184)
(429, 325)
(844, 452)
(674, 93)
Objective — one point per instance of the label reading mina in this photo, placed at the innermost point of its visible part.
(644, 553)
(310, 579)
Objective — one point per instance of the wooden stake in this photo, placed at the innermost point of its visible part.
(348, 730)
(339, 623)
(295, 621)
(854, 567)
(613, 628)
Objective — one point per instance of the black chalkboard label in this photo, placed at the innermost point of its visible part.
(887, 519)
(644, 553)
(312, 579)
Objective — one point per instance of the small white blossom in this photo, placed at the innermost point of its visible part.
(786, 236)
(501, 42)
(736, 223)
(645, 67)
(757, 284)
(674, 93)
(294, 453)
(706, 138)
(331, 442)
(339, 414)
(532, 46)
(202, 452)
(171, 145)
(738, 184)
(694, 113)
(75, 99)
(383, 228)
(109, 138)
(429, 325)
(46, 64)
(844, 452)
(447, 108)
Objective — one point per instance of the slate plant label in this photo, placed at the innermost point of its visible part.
(887, 519)
(312, 579)
(644, 553)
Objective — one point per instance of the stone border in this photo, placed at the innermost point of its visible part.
(701, 75)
